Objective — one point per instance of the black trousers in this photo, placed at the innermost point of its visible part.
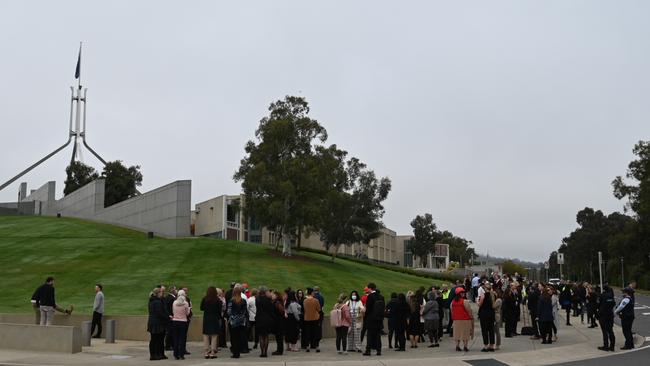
(546, 330)
(279, 341)
(400, 336)
(450, 325)
(391, 333)
(374, 340)
(304, 340)
(607, 327)
(157, 345)
(342, 338)
(487, 330)
(313, 336)
(510, 327)
(169, 341)
(534, 324)
(179, 335)
(97, 321)
(235, 340)
(252, 333)
(626, 324)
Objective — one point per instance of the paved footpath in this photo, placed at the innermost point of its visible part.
(575, 343)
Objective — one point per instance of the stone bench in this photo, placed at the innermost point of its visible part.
(54, 338)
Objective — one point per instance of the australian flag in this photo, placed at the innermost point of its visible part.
(77, 72)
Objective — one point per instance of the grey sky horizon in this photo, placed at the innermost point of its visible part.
(502, 119)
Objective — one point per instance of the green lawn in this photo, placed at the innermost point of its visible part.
(81, 253)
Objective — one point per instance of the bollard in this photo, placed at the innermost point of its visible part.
(85, 333)
(110, 331)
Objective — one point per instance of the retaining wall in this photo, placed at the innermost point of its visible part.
(38, 338)
(164, 211)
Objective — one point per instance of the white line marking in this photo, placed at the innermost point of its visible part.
(645, 314)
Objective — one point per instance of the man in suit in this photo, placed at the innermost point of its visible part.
(168, 300)
(373, 319)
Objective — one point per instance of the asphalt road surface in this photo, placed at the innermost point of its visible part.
(641, 326)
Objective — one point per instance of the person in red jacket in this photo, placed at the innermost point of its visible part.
(461, 313)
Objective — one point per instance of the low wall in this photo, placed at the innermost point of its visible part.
(130, 327)
(32, 337)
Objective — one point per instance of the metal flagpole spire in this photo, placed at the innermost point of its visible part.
(78, 131)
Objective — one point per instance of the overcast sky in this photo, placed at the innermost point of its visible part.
(501, 118)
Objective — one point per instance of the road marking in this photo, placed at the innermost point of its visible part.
(647, 339)
(645, 314)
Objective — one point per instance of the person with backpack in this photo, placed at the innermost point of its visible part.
(373, 319)
(340, 319)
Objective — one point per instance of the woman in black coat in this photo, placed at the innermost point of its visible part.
(212, 309)
(402, 313)
(545, 315)
(264, 318)
(566, 301)
(156, 325)
(510, 313)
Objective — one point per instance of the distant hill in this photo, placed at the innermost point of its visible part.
(81, 253)
(525, 264)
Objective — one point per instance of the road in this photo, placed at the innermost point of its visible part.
(641, 327)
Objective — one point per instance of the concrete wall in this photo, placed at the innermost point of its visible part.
(37, 338)
(132, 327)
(209, 216)
(164, 211)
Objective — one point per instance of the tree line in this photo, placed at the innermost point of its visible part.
(623, 238)
(121, 182)
(426, 234)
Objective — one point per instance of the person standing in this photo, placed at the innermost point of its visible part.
(509, 313)
(402, 312)
(544, 313)
(279, 320)
(189, 317)
(476, 282)
(321, 301)
(461, 313)
(168, 300)
(532, 303)
(237, 314)
(294, 313)
(312, 312)
(391, 308)
(414, 320)
(566, 302)
(356, 319)
(444, 294)
(592, 306)
(340, 320)
(486, 317)
(263, 319)
(498, 302)
(625, 311)
(374, 319)
(250, 307)
(45, 300)
(211, 307)
(180, 312)
(98, 311)
(157, 325)
(606, 318)
(431, 315)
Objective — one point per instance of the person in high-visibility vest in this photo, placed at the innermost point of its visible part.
(444, 293)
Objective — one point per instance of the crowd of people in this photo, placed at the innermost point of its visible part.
(295, 317)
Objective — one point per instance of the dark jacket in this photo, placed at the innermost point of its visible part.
(211, 316)
(606, 305)
(533, 299)
(264, 312)
(544, 309)
(44, 295)
(158, 316)
(402, 312)
(374, 315)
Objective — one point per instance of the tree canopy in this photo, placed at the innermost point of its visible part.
(78, 175)
(121, 182)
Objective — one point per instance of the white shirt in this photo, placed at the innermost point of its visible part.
(481, 291)
(252, 309)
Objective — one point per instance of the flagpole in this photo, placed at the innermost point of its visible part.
(79, 80)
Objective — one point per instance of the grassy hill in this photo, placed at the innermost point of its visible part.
(81, 253)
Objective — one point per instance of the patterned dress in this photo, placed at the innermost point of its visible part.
(354, 334)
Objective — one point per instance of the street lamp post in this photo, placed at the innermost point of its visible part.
(622, 274)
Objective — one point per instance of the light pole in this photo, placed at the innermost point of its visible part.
(622, 274)
(600, 270)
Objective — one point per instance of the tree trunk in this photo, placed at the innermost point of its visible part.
(299, 241)
(335, 252)
(286, 245)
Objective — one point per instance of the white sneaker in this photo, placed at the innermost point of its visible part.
(345, 352)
